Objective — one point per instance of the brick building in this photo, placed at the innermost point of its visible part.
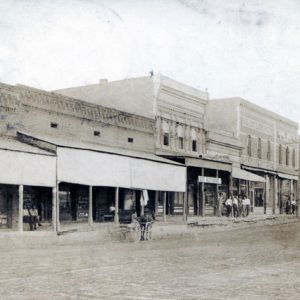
(76, 152)
(180, 134)
(251, 149)
(74, 159)
(269, 149)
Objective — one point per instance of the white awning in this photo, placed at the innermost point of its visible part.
(94, 168)
(23, 168)
(287, 176)
(242, 174)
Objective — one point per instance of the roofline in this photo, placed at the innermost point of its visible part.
(101, 151)
(260, 109)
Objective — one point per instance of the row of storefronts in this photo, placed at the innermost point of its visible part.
(69, 182)
(85, 163)
(82, 184)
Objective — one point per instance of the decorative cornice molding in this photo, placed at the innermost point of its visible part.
(77, 108)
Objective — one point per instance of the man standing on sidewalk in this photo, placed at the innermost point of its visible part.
(228, 205)
(247, 206)
(235, 204)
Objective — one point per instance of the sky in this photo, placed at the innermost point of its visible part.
(232, 48)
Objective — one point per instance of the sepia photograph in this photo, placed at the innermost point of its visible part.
(150, 149)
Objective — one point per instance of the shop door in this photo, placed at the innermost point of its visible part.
(210, 199)
(259, 198)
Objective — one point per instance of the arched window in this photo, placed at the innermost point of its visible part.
(179, 131)
(280, 154)
(269, 151)
(194, 140)
(259, 148)
(294, 158)
(166, 135)
(249, 145)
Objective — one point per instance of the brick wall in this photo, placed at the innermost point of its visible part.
(33, 111)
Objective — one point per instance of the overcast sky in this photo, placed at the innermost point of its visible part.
(245, 48)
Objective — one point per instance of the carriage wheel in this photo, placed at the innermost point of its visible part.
(136, 232)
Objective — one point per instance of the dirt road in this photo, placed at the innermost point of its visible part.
(254, 263)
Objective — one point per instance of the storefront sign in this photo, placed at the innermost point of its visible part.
(213, 180)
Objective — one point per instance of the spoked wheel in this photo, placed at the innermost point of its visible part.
(136, 232)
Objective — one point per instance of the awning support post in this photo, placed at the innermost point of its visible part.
(292, 191)
(203, 196)
(117, 205)
(54, 203)
(218, 206)
(275, 194)
(156, 202)
(198, 199)
(57, 208)
(184, 209)
(90, 219)
(21, 199)
(266, 194)
(165, 207)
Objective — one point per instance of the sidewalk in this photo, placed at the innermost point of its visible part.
(174, 227)
(196, 225)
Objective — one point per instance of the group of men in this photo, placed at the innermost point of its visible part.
(237, 206)
(290, 207)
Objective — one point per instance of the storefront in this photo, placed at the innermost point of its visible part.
(251, 185)
(119, 170)
(287, 186)
(27, 180)
(208, 186)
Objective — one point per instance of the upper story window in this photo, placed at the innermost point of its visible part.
(96, 133)
(269, 150)
(180, 142)
(280, 154)
(294, 158)
(179, 131)
(54, 125)
(287, 156)
(130, 140)
(249, 145)
(259, 147)
(194, 146)
(166, 135)
(166, 139)
(194, 140)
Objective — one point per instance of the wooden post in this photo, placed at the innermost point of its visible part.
(230, 185)
(203, 196)
(280, 196)
(156, 202)
(292, 192)
(21, 198)
(57, 208)
(275, 194)
(90, 219)
(266, 194)
(165, 207)
(117, 205)
(218, 209)
(198, 199)
(54, 203)
(184, 209)
(187, 201)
